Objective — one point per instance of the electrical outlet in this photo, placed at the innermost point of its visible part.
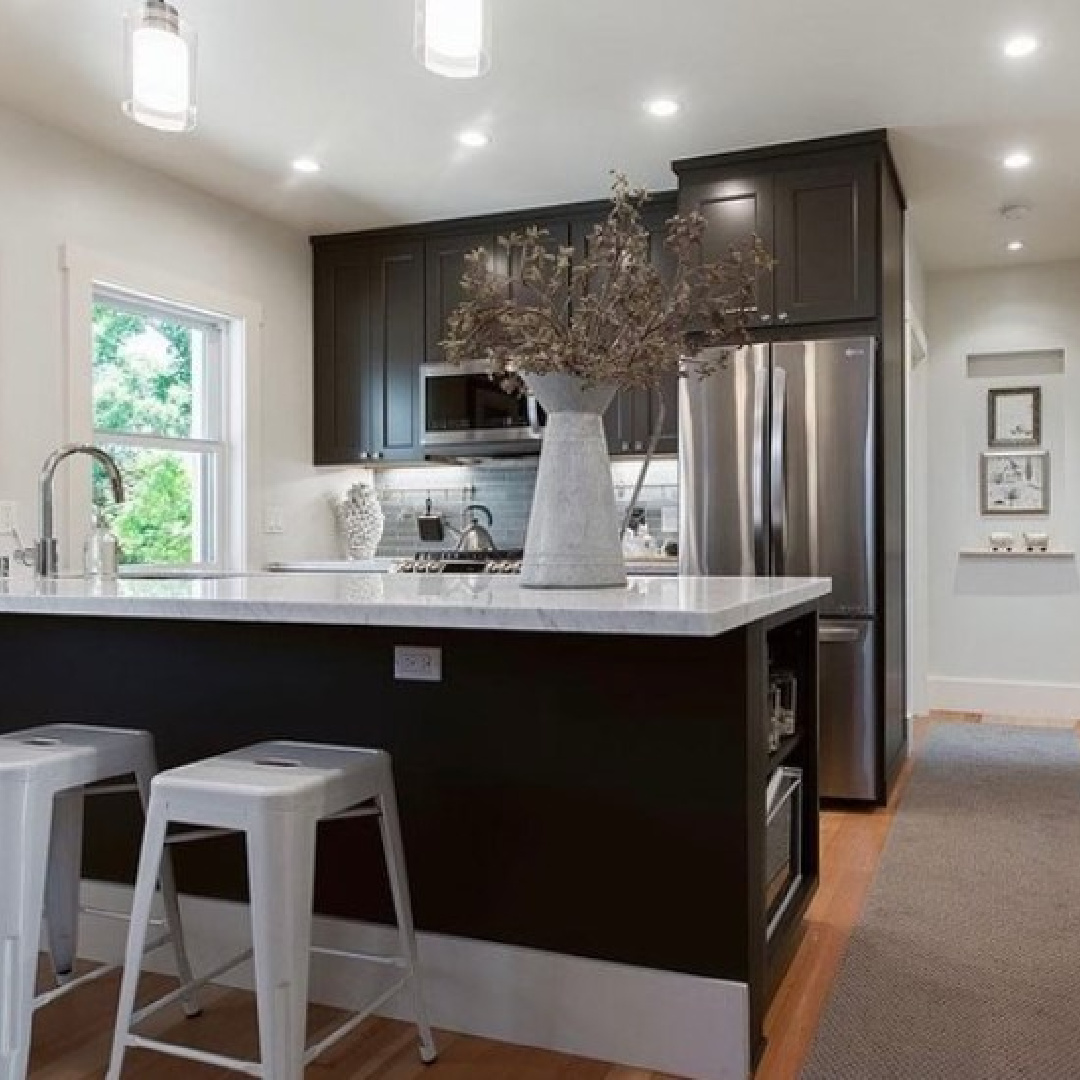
(274, 521)
(414, 663)
(9, 518)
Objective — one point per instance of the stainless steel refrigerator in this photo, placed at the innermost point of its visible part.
(778, 478)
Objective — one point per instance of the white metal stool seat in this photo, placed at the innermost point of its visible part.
(44, 776)
(275, 793)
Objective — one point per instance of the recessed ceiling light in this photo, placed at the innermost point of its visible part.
(1018, 159)
(474, 140)
(662, 107)
(1015, 245)
(1022, 45)
(306, 165)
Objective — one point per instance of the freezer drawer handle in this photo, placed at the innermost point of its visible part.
(837, 635)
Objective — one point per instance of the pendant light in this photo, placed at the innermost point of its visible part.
(453, 37)
(160, 61)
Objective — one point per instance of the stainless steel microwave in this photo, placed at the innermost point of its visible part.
(462, 406)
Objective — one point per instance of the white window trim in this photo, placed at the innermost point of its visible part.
(85, 272)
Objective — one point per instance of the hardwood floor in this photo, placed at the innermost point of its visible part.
(71, 1040)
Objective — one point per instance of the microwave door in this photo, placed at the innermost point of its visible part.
(464, 406)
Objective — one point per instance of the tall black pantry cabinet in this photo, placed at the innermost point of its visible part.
(832, 213)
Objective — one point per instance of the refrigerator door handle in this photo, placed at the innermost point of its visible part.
(758, 496)
(778, 471)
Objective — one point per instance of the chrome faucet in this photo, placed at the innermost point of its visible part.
(47, 549)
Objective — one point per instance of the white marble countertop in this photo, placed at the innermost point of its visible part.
(676, 606)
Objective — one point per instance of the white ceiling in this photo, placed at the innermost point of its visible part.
(336, 79)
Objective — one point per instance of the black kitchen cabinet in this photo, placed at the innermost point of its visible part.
(445, 266)
(342, 336)
(633, 415)
(815, 206)
(736, 208)
(369, 334)
(382, 298)
(396, 286)
(825, 234)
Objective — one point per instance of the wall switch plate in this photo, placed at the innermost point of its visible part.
(9, 518)
(274, 521)
(416, 663)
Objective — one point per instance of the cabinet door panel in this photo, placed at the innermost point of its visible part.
(342, 341)
(397, 348)
(826, 241)
(445, 262)
(736, 208)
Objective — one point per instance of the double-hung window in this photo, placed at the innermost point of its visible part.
(158, 392)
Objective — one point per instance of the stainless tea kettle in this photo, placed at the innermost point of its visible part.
(474, 536)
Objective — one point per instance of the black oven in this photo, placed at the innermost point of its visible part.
(462, 406)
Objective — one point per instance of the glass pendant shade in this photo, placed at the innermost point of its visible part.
(160, 62)
(453, 37)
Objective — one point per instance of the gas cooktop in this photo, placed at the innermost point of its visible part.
(461, 562)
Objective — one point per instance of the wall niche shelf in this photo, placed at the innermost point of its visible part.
(975, 553)
(1025, 362)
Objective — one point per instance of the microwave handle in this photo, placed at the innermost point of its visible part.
(534, 417)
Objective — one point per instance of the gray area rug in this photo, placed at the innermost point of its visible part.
(965, 964)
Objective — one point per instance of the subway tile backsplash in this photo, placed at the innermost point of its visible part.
(506, 489)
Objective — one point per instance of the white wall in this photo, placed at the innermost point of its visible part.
(1006, 635)
(55, 191)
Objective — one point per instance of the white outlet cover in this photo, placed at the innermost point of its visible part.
(9, 518)
(274, 521)
(417, 663)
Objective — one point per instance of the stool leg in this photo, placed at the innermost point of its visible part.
(25, 824)
(171, 905)
(62, 883)
(394, 852)
(281, 870)
(150, 859)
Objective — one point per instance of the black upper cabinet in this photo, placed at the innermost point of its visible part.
(826, 237)
(342, 349)
(633, 415)
(445, 261)
(369, 340)
(382, 299)
(815, 206)
(736, 208)
(397, 343)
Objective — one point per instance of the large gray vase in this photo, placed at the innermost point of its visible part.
(573, 538)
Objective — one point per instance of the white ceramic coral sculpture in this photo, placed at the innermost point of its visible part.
(361, 520)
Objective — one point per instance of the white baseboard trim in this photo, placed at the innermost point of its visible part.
(679, 1024)
(1024, 700)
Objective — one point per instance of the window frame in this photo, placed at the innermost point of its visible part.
(213, 494)
(86, 276)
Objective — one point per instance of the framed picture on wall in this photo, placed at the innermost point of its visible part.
(1016, 483)
(1016, 417)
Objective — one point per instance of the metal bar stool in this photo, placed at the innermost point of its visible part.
(44, 773)
(274, 793)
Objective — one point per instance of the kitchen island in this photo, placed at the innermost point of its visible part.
(582, 776)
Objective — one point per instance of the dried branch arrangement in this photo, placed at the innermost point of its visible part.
(607, 313)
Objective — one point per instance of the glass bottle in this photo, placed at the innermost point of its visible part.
(101, 552)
